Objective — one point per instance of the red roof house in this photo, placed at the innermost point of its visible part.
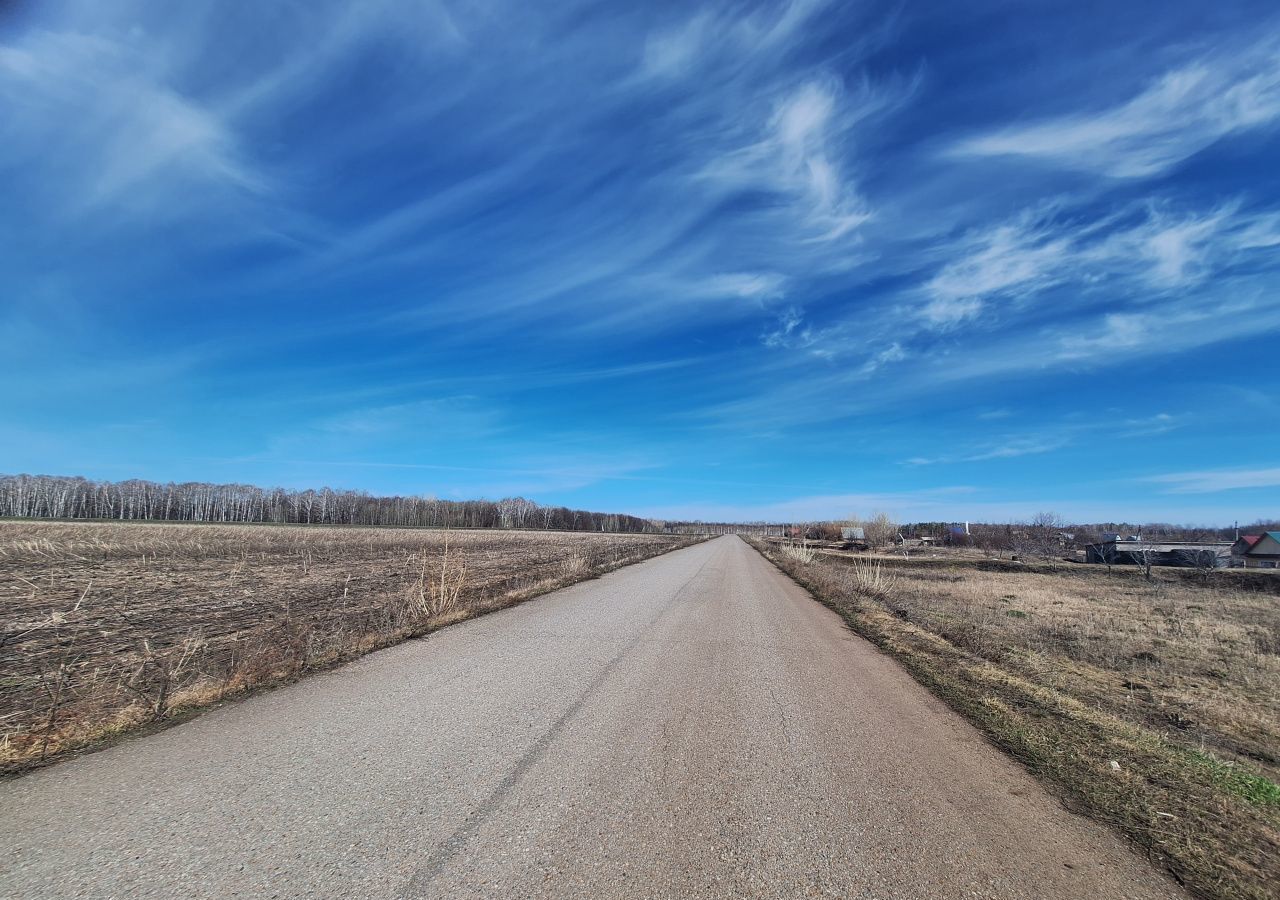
(1244, 544)
(1264, 552)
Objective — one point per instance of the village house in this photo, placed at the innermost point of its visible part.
(1258, 551)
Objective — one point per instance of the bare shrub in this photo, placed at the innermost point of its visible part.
(576, 565)
(868, 576)
(159, 674)
(801, 553)
(440, 583)
(56, 685)
(1039, 537)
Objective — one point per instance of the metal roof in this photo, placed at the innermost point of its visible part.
(1260, 543)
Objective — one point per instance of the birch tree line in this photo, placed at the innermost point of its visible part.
(63, 497)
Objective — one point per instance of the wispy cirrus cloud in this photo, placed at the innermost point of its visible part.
(747, 285)
(1006, 448)
(878, 360)
(1228, 309)
(788, 330)
(805, 133)
(748, 193)
(1026, 446)
(1150, 426)
(1170, 249)
(1212, 480)
(1183, 111)
(1155, 245)
(113, 136)
(1017, 258)
(1098, 428)
(797, 152)
(715, 33)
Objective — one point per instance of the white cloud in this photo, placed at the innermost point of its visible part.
(1095, 337)
(1116, 333)
(747, 285)
(798, 153)
(1262, 232)
(1170, 249)
(1015, 259)
(1006, 448)
(1176, 116)
(1055, 438)
(324, 36)
(1211, 480)
(787, 331)
(110, 136)
(1177, 250)
(1024, 446)
(806, 131)
(1224, 310)
(891, 354)
(1165, 249)
(440, 418)
(745, 195)
(675, 51)
(680, 49)
(1160, 423)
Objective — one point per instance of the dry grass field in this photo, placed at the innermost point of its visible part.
(105, 627)
(1151, 705)
(1199, 659)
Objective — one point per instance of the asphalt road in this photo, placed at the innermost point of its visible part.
(692, 726)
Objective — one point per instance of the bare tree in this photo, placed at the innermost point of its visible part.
(1039, 538)
(1145, 555)
(48, 497)
(878, 530)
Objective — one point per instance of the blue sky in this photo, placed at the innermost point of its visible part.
(766, 260)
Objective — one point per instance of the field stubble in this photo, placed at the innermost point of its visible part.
(106, 627)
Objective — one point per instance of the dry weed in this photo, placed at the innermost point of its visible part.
(801, 553)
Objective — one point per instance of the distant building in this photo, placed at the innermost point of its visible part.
(849, 533)
(1133, 550)
(1263, 552)
(1243, 545)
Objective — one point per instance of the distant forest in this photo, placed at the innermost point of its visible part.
(68, 497)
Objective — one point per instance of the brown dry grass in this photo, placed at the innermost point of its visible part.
(105, 627)
(1194, 657)
(1071, 668)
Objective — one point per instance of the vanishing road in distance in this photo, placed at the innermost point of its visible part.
(691, 726)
